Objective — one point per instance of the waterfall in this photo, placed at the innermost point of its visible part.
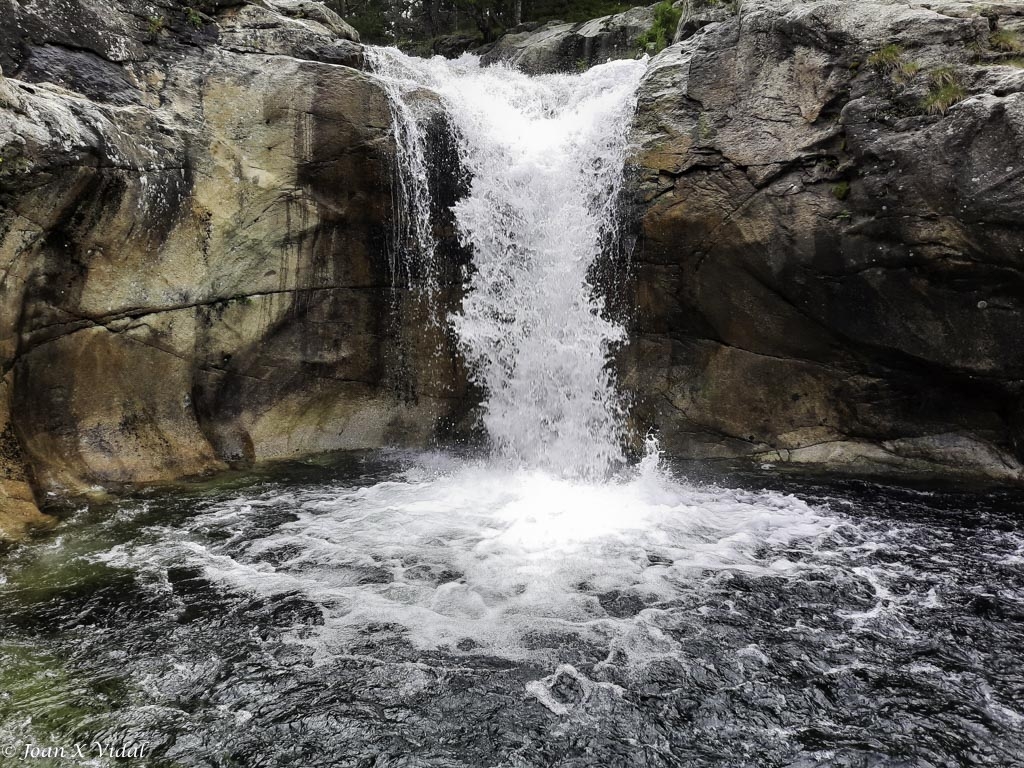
(545, 156)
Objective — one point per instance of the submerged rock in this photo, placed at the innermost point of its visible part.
(830, 210)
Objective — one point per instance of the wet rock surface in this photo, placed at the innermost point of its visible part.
(196, 242)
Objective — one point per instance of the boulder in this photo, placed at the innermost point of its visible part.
(561, 47)
(315, 16)
(829, 204)
(299, 28)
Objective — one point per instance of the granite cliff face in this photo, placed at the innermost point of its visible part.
(199, 240)
(196, 245)
(830, 208)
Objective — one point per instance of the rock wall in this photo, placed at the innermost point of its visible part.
(830, 220)
(561, 47)
(196, 249)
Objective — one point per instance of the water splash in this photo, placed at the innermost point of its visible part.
(546, 158)
(489, 559)
(412, 229)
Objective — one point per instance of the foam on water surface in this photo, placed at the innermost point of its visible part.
(438, 611)
(469, 556)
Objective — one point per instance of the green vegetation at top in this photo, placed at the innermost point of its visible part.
(392, 22)
(156, 26)
(193, 17)
(574, 10)
(666, 17)
(1006, 40)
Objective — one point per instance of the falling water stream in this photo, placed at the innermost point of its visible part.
(545, 604)
(545, 156)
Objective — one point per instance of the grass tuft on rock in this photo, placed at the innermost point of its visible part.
(657, 38)
(945, 91)
(886, 58)
(1006, 40)
(944, 76)
(889, 60)
(906, 70)
(156, 26)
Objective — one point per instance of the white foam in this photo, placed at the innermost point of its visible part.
(491, 555)
(589, 691)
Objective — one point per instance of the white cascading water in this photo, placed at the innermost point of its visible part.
(545, 155)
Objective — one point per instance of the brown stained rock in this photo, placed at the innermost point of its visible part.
(199, 272)
(18, 511)
(19, 515)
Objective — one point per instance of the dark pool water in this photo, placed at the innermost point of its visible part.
(425, 611)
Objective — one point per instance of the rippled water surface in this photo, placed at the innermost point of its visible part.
(427, 611)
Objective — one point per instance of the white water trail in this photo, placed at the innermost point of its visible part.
(545, 156)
